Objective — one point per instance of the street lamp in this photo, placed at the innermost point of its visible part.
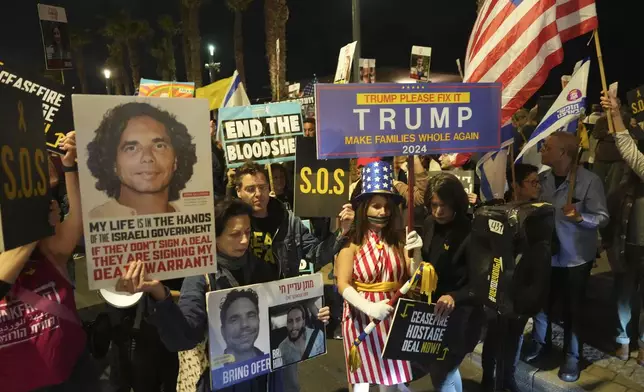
(211, 66)
(107, 73)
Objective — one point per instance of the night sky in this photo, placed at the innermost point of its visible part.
(315, 32)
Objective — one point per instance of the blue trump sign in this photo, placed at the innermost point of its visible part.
(392, 119)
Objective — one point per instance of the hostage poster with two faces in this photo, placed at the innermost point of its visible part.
(146, 186)
(257, 329)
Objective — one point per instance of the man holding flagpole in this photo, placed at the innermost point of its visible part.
(576, 222)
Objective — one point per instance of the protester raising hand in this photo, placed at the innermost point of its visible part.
(610, 103)
(68, 143)
(136, 281)
(346, 218)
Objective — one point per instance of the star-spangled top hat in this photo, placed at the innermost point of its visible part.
(377, 179)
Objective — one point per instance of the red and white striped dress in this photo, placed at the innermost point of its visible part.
(375, 262)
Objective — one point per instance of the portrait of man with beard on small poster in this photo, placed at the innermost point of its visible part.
(295, 334)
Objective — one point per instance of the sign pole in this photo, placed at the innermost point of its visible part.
(514, 175)
(460, 69)
(62, 76)
(602, 73)
(410, 194)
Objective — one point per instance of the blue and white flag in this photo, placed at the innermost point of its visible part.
(566, 109)
(491, 167)
(236, 94)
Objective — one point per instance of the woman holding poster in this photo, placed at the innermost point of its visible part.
(183, 326)
(369, 271)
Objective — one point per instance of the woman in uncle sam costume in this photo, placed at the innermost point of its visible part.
(370, 272)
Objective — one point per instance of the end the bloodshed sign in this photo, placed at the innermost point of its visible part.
(260, 133)
(392, 119)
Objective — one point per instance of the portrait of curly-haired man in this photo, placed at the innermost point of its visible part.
(141, 157)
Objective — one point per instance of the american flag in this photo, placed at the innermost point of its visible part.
(309, 90)
(518, 42)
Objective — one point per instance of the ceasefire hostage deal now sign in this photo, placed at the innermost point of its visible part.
(389, 119)
(260, 133)
(416, 333)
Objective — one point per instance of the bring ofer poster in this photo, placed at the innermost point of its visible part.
(257, 329)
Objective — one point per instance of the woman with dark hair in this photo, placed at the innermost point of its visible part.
(369, 270)
(445, 239)
(183, 326)
(280, 185)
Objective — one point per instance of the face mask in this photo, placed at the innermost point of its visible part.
(378, 220)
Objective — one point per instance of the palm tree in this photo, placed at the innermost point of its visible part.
(276, 14)
(137, 31)
(116, 31)
(79, 39)
(115, 62)
(239, 6)
(170, 30)
(191, 10)
(185, 23)
(160, 54)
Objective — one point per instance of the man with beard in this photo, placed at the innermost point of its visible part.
(142, 158)
(239, 316)
(301, 341)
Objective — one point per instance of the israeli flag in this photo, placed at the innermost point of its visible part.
(236, 94)
(564, 112)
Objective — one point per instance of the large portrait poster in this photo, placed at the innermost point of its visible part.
(146, 183)
(55, 37)
(24, 173)
(257, 329)
(421, 57)
(55, 101)
(260, 133)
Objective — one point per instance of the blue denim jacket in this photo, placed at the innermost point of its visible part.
(578, 241)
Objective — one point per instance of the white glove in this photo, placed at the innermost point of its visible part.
(415, 243)
(377, 310)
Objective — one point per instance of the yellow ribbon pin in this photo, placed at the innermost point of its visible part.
(22, 124)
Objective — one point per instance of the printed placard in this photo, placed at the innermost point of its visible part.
(322, 186)
(56, 102)
(466, 177)
(307, 104)
(260, 133)
(368, 70)
(392, 119)
(55, 37)
(636, 101)
(421, 57)
(146, 181)
(345, 60)
(24, 171)
(165, 89)
(238, 334)
(417, 334)
(296, 333)
(260, 328)
(293, 90)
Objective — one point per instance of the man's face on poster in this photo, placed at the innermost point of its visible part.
(145, 157)
(57, 35)
(419, 62)
(241, 325)
(254, 191)
(295, 324)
